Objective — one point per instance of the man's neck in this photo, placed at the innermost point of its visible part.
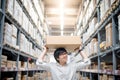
(62, 64)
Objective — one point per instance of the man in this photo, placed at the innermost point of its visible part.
(62, 70)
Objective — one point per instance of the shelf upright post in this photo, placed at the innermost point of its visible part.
(2, 18)
(18, 57)
(90, 74)
(114, 42)
(27, 67)
(114, 30)
(98, 14)
(98, 54)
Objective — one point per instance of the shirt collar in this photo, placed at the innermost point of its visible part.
(60, 65)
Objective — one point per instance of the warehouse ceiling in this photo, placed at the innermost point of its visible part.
(61, 16)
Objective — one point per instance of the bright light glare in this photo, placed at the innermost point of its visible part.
(61, 17)
(61, 33)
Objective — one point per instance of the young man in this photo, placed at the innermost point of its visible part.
(62, 70)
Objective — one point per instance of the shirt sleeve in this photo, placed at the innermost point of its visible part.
(43, 65)
(82, 64)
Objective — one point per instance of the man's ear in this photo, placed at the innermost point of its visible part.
(58, 59)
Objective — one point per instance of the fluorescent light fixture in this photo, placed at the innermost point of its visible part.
(71, 34)
(61, 33)
(61, 16)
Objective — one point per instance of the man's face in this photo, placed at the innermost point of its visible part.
(63, 57)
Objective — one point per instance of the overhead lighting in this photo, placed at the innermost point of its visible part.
(61, 16)
(61, 33)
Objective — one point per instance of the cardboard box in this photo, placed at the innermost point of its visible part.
(109, 35)
(10, 6)
(68, 42)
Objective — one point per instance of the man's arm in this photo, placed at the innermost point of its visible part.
(84, 55)
(43, 65)
(41, 58)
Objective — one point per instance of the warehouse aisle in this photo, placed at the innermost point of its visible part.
(27, 25)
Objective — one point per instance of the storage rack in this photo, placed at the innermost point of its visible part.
(111, 53)
(2, 17)
(14, 53)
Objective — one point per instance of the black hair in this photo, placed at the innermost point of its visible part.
(58, 51)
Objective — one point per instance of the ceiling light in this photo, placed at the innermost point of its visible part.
(61, 17)
(61, 33)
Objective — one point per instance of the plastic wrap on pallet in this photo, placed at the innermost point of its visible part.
(107, 5)
(102, 8)
(27, 4)
(25, 22)
(7, 34)
(18, 13)
(14, 31)
(10, 6)
(30, 31)
(14, 41)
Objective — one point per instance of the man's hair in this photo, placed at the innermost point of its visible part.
(58, 51)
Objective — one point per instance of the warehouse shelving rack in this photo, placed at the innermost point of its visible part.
(13, 53)
(111, 53)
(2, 17)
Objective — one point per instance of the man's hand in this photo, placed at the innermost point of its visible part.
(45, 49)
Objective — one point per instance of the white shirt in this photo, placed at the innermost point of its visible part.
(67, 72)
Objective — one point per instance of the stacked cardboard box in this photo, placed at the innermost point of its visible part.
(7, 34)
(103, 65)
(19, 64)
(94, 65)
(30, 78)
(22, 42)
(14, 36)
(107, 5)
(10, 6)
(19, 76)
(108, 35)
(93, 41)
(18, 12)
(104, 7)
(96, 47)
(3, 61)
(23, 77)
(86, 50)
(39, 8)
(25, 22)
(92, 25)
(9, 64)
(106, 77)
(23, 64)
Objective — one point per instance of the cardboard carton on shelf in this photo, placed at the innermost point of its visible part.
(70, 43)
